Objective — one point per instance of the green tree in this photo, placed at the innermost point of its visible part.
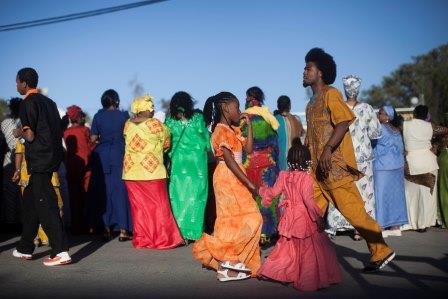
(425, 78)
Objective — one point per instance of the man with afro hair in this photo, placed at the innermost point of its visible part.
(333, 160)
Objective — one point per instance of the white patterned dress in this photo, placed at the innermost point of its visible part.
(365, 128)
(10, 203)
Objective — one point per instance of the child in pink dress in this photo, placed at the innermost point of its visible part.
(304, 255)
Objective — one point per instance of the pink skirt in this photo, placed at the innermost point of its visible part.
(308, 263)
(154, 224)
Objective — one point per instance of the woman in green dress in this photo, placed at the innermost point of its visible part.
(443, 184)
(188, 186)
(442, 180)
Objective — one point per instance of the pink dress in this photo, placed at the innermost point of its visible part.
(302, 255)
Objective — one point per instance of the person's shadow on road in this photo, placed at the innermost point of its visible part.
(415, 279)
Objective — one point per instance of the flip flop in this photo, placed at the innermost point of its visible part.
(226, 277)
(240, 267)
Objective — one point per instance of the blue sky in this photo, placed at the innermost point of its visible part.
(206, 46)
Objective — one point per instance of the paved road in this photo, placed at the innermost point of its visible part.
(116, 270)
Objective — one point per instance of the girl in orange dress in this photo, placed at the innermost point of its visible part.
(233, 249)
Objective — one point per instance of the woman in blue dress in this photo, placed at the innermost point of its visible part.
(107, 166)
(388, 172)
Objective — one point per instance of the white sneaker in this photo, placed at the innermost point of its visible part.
(61, 258)
(385, 233)
(20, 255)
(395, 232)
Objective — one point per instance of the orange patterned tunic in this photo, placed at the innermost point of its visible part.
(238, 219)
(323, 114)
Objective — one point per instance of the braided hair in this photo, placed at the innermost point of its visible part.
(213, 108)
(299, 157)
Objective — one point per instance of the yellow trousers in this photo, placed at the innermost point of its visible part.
(348, 201)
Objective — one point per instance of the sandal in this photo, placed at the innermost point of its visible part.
(124, 238)
(357, 237)
(187, 242)
(240, 267)
(226, 277)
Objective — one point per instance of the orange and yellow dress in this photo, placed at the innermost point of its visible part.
(238, 219)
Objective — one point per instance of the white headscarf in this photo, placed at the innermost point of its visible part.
(352, 85)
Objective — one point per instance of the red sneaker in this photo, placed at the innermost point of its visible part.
(62, 258)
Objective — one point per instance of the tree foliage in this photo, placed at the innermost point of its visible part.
(425, 78)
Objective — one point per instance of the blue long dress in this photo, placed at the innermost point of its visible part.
(388, 172)
(282, 138)
(107, 169)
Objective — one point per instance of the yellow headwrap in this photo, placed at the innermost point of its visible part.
(264, 112)
(143, 103)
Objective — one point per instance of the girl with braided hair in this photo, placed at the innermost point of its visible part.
(233, 249)
(303, 255)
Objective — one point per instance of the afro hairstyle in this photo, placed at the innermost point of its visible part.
(324, 62)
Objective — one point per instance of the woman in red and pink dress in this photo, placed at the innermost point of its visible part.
(304, 255)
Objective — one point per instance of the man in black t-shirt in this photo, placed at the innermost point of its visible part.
(42, 132)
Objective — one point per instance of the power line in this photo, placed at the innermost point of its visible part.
(75, 16)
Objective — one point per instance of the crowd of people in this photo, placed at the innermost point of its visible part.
(232, 183)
